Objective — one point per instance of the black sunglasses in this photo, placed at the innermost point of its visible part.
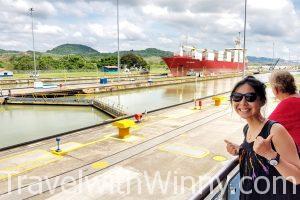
(237, 97)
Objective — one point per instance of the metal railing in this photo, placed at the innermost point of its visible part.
(113, 110)
(218, 186)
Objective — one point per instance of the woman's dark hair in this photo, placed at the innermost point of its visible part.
(258, 86)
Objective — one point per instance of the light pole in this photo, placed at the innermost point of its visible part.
(239, 49)
(34, 63)
(244, 45)
(273, 51)
(118, 40)
(195, 92)
(289, 55)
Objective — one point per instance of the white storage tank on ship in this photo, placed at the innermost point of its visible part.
(241, 55)
(181, 51)
(210, 56)
(228, 56)
(236, 56)
(220, 55)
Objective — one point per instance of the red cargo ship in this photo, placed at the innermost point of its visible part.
(203, 61)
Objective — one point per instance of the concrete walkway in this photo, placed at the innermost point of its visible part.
(170, 155)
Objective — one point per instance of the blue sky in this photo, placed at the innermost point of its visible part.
(163, 24)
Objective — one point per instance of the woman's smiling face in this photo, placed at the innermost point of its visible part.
(244, 108)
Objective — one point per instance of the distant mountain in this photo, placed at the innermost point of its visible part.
(149, 52)
(66, 49)
(261, 60)
(8, 51)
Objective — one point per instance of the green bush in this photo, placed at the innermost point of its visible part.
(24, 62)
(131, 60)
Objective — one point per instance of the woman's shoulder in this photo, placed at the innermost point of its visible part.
(279, 132)
(268, 128)
(276, 127)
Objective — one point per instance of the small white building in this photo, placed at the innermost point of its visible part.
(6, 73)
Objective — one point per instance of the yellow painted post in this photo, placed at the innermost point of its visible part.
(124, 126)
(218, 100)
(123, 132)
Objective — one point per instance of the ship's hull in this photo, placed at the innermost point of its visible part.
(181, 65)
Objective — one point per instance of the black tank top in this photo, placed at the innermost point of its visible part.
(257, 175)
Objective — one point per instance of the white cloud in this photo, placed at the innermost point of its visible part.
(131, 31)
(277, 18)
(41, 8)
(92, 40)
(96, 29)
(165, 40)
(44, 8)
(155, 10)
(82, 8)
(229, 22)
(77, 34)
(269, 4)
(162, 24)
(19, 6)
(11, 44)
(48, 29)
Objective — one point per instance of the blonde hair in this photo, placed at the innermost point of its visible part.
(284, 81)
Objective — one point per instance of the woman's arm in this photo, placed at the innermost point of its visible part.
(289, 163)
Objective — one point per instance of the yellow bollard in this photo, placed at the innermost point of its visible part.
(124, 126)
(123, 132)
(218, 100)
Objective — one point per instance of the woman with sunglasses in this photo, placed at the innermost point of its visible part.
(267, 152)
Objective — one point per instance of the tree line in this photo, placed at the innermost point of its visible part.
(75, 62)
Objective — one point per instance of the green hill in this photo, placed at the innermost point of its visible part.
(149, 52)
(66, 49)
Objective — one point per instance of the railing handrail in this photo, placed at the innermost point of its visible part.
(215, 181)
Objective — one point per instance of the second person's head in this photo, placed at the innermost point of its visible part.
(283, 84)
